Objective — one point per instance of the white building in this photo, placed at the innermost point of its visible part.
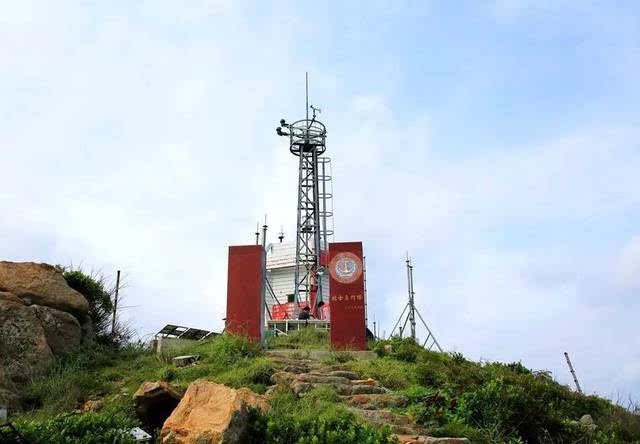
(281, 263)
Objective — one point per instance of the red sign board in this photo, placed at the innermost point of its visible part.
(245, 291)
(285, 311)
(346, 290)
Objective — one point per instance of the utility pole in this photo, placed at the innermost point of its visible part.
(115, 304)
(573, 373)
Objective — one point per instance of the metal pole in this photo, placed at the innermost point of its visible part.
(257, 233)
(573, 373)
(398, 321)
(115, 304)
(429, 330)
(374, 330)
(264, 233)
(412, 308)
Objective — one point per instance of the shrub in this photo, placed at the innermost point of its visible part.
(521, 407)
(391, 373)
(256, 375)
(340, 357)
(93, 288)
(87, 428)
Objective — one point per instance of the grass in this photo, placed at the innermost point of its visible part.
(447, 394)
(304, 339)
(493, 402)
(319, 417)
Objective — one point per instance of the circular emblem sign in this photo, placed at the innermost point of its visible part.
(345, 267)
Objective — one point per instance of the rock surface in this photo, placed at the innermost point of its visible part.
(154, 402)
(211, 413)
(61, 330)
(41, 284)
(24, 351)
(375, 402)
(586, 420)
(8, 397)
(39, 316)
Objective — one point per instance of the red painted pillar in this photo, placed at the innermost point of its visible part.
(245, 291)
(346, 289)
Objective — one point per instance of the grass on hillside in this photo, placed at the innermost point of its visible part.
(307, 338)
(449, 395)
(102, 372)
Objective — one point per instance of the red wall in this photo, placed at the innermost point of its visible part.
(245, 291)
(346, 290)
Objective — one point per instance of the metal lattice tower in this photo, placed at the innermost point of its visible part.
(430, 342)
(307, 141)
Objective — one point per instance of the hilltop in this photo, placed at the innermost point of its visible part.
(444, 394)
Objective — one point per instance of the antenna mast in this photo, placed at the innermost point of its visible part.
(573, 373)
(307, 141)
(410, 318)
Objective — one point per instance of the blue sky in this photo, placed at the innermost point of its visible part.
(496, 141)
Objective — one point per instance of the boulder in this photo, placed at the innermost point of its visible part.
(24, 351)
(586, 420)
(8, 399)
(61, 329)
(345, 374)
(211, 413)
(92, 405)
(6, 296)
(8, 396)
(41, 284)
(154, 402)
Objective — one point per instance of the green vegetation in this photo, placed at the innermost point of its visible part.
(447, 394)
(111, 374)
(317, 418)
(307, 338)
(95, 288)
(493, 402)
(88, 428)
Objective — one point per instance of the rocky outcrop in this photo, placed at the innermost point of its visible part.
(39, 317)
(8, 397)
(154, 402)
(211, 413)
(24, 351)
(41, 284)
(61, 330)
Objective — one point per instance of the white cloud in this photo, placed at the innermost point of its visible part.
(629, 265)
(143, 139)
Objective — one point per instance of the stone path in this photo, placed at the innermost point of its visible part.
(367, 398)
